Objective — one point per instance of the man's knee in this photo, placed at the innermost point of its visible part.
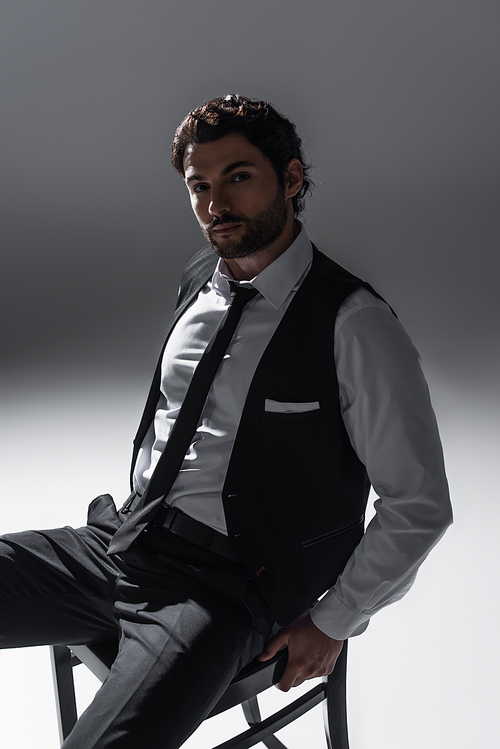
(55, 586)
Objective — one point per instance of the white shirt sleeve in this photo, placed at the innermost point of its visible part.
(387, 412)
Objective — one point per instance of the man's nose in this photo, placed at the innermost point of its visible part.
(219, 203)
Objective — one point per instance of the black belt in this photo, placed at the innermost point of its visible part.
(173, 520)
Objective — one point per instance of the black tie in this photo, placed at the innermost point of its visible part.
(186, 423)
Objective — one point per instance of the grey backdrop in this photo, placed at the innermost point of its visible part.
(398, 106)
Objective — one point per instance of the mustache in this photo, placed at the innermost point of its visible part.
(228, 219)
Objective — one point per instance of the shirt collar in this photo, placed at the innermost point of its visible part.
(279, 278)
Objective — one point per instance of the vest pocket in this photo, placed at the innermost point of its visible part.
(289, 417)
(331, 534)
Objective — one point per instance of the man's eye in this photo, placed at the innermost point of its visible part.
(199, 188)
(240, 177)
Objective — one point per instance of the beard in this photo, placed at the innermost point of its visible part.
(261, 231)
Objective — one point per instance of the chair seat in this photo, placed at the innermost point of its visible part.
(251, 680)
(254, 678)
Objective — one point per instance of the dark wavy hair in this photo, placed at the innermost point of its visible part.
(273, 134)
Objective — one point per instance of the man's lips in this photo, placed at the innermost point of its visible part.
(220, 228)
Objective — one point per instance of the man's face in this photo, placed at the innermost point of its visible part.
(235, 195)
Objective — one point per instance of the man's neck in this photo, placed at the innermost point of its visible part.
(246, 268)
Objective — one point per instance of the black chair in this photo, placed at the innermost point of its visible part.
(253, 679)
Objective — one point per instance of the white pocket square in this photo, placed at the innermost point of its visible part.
(278, 407)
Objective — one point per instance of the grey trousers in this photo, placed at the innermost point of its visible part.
(187, 620)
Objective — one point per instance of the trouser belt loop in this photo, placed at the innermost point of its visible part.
(166, 516)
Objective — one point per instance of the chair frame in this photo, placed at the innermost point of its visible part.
(253, 679)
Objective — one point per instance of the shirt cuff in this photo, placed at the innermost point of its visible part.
(334, 619)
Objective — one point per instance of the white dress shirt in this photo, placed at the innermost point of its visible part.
(385, 406)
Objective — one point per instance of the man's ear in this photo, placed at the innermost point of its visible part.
(294, 177)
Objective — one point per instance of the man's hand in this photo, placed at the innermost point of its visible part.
(311, 653)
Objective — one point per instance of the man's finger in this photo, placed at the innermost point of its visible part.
(289, 679)
(273, 645)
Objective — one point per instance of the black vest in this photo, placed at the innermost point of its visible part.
(295, 492)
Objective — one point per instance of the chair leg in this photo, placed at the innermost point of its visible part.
(273, 743)
(251, 711)
(252, 715)
(335, 706)
(64, 687)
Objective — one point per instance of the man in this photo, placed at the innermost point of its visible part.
(285, 387)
